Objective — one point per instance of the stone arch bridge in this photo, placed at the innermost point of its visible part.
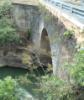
(44, 20)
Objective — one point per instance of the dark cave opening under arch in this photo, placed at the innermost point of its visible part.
(45, 55)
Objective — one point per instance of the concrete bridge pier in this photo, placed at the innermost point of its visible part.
(56, 54)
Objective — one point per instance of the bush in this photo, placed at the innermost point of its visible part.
(8, 89)
(8, 34)
(54, 88)
(76, 69)
(68, 34)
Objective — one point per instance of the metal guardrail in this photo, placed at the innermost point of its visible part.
(77, 10)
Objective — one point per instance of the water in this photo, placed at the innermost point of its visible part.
(25, 80)
(13, 72)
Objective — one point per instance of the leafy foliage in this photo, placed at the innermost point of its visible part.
(5, 8)
(8, 89)
(77, 68)
(54, 88)
(68, 34)
(29, 33)
(8, 34)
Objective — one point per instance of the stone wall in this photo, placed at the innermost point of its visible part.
(32, 17)
(25, 16)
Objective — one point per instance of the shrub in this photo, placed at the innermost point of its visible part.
(68, 34)
(8, 34)
(76, 69)
(54, 88)
(8, 89)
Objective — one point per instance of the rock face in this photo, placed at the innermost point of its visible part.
(11, 58)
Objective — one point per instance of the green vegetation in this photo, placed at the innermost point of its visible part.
(8, 33)
(76, 68)
(8, 89)
(5, 8)
(29, 33)
(55, 88)
(68, 34)
(49, 87)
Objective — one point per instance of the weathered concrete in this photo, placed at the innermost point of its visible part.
(35, 18)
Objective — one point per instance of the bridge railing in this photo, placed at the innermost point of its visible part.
(77, 10)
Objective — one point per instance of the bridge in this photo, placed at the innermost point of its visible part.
(51, 19)
(73, 13)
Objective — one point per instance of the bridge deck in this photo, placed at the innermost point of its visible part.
(73, 13)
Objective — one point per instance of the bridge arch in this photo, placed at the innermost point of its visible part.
(45, 48)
